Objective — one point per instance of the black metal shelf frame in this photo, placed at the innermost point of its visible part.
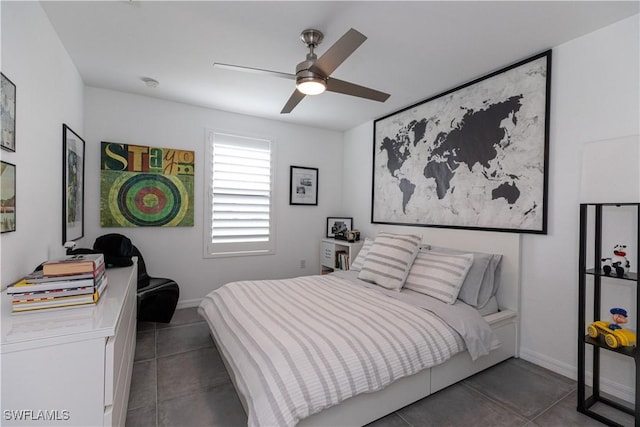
(584, 403)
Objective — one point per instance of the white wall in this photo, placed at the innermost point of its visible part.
(177, 252)
(595, 88)
(49, 92)
(595, 95)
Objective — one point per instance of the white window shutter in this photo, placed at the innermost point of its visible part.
(241, 195)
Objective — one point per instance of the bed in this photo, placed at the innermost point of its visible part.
(340, 350)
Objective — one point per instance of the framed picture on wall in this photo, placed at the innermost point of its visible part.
(474, 157)
(154, 191)
(8, 114)
(72, 185)
(303, 189)
(7, 197)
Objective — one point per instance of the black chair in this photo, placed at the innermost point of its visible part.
(157, 296)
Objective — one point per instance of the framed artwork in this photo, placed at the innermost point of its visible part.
(144, 186)
(7, 197)
(72, 185)
(303, 188)
(338, 225)
(8, 114)
(474, 157)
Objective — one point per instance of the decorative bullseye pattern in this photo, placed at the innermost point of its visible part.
(148, 200)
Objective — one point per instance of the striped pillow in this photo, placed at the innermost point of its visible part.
(356, 265)
(438, 274)
(389, 259)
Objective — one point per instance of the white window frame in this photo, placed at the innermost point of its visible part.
(217, 250)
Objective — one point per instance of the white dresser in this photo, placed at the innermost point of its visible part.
(70, 367)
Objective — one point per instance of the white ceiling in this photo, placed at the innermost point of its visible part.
(415, 49)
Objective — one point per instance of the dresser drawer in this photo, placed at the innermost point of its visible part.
(328, 255)
(119, 353)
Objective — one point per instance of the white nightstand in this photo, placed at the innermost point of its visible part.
(338, 254)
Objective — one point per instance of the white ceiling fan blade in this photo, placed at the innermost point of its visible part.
(287, 76)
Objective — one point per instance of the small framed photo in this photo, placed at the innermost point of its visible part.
(7, 197)
(338, 227)
(303, 188)
(8, 114)
(72, 185)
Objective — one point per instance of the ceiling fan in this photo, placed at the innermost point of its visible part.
(313, 74)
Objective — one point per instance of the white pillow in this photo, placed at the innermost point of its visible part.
(357, 263)
(438, 274)
(482, 280)
(388, 261)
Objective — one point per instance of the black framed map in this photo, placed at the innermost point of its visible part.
(473, 157)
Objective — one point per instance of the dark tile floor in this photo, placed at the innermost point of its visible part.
(180, 380)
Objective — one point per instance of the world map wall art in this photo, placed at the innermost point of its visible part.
(145, 186)
(474, 157)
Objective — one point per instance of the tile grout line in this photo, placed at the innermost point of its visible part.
(183, 352)
(553, 405)
(497, 402)
(170, 326)
(402, 418)
(210, 344)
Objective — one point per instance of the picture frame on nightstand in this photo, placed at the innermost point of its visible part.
(338, 227)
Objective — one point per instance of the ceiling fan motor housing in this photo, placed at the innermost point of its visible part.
(303, 71)
(311, 37)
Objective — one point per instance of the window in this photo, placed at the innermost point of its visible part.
(240, 196)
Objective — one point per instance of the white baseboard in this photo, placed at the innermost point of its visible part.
(554, 365)
(188, 303)
(613, 388)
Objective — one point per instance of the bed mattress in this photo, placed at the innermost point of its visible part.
(298, 346)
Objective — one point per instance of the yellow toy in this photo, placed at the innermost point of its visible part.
(612, 332)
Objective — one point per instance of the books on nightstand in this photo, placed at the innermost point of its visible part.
(342, 260)
(74, 280)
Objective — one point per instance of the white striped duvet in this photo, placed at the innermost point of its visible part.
(301, 345)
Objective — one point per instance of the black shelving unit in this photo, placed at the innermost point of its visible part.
(585, 342)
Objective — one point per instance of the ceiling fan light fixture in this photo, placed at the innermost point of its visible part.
(311, 85)
(313, 74)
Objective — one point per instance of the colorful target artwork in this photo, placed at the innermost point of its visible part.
(146, 186)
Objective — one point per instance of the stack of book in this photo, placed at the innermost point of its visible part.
(74, 280)
(342, 260)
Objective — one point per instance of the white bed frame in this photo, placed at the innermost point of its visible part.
(365, 408)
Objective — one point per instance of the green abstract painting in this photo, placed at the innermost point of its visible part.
(145, 186)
